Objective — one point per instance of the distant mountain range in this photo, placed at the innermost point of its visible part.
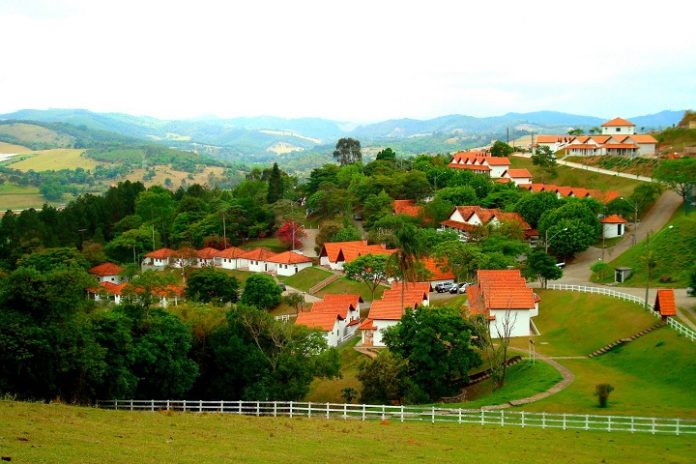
(267, 137)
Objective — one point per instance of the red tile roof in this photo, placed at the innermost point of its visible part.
(350, 253)
(553, 138)
(108, 287)
(162, 253)
(578, 192)
(258, 254)
(500, 289)
(230, 253)
(614, 219)
(332, 249)
(643, 138)
(470, 167)
(207, 253)
(435, 270)
(485, 215)
(288, 257)
(617, 122)
(519, 173)
(407, 207)
(497, 161)
(665, 304)
(350, 298)
(318, 320)
(106, 269)
(367, 325)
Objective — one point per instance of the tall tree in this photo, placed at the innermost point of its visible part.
(500, 148)
(368, 269)
(542, 266)
(261, 291)
(208, 285)
(291, 234)
(347, 151)
(275, 185)
(679, 175)
(405, 261)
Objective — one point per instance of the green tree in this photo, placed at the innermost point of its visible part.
(383, 379)
(544, 158)
(130, 245)
(146, 287)
(368, 269)
(533, 206)
(600, 268)
(501, 148)
(209, 285)
(542, 266)
(375, 207)
(574, 132)
(581, 224)
(261, 291)
(386, 154)
(346, 234)
(462, 259)
(415, 185)
(405, 262)
(679, 175)
(347, 151)
(458, 196)
(157, 207)
(53, 258)
(275, 185)
(436, 344)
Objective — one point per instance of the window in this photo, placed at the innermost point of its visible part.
(618, 129)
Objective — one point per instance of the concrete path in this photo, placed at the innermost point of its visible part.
(307, 297)
(568, 378)
(585, 167)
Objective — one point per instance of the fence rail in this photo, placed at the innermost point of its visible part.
(653, 425)
(676, 325)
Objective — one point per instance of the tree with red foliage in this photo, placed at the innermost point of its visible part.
(290, 232)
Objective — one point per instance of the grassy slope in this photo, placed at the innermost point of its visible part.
(674, 250)
(576, 324)
(30, 133)
(344, 285)
(272, 243)
(163, 172)
(306, 279)
(652, 376)
(55, 159)
(13, 196)
(639, 166)
(323, 390)
(39, 433)
(675, 139)
(12, 148)
(576, 178)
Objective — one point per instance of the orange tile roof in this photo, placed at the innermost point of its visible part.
(519, 173)
(207, 253)
(497, 161)
(601, 138)
(411, 286)
(435, 270)
(614, 219)
(162, 253)
(367, 325)
(618, 122)
(288, 257)
(579, 192)
(106, 269)
(332, 249)
(343, 309)
(553, 138)
(109, 287)
(230, 253)
(486, 215)
(620, 146)
(470, 167)
(458, 225)
(387, 310)
(350, 253)
(665, 304)
(351, 298)
(469, 155)
(318, 320)
(258, 254)
(500, 289)
(502, 180)
(407, 207)
(643, 138)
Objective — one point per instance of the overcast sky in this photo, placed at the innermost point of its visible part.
(350, 60)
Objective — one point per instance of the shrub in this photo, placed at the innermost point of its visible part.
(602, 392)
(666, 279)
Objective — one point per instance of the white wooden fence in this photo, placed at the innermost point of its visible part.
(676, 325)
(363, 412)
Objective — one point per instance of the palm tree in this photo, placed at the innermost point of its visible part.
(405, 260)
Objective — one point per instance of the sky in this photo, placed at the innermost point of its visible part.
(353, 60)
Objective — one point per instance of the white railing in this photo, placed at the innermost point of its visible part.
(653, 425)
(671, 322)
(285, 317)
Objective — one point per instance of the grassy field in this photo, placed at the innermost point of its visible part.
(241, 276)
(344, 285)
(576, 177)
(163, 172)
(272, 243)
(12, 148)
(31, 133)
(652, 376)
(674, 251)
(14, 196)
(522, 380)
(306, 279)
(639, 166)
(323, 390)
(576, 324)
(40, 433)
(454, 302)
(55, 159)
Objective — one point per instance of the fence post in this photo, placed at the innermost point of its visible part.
(402, 413)
(200, 406)
(290, 409)
(258, 409)
(345, 411)
(564, 421)
(327, 410)
(433, 416)
(522, 419)
(309, 410)
(239, 407)
(384, 417)
(184, 403)
(131, 405)
(676, 426)
(633, 422)
(363, 413)
(653, 426)
(222, 406)
(167, 405)
(587, 421)
(543, 420)
(116, 405)
(502, 417)
(608, 423)
(152, 405)
(459, 419)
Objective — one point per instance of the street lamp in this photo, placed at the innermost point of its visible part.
(546, 238)
(634, 205)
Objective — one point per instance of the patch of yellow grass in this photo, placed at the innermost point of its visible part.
(164, 172)
(55, 159)
(12, 148)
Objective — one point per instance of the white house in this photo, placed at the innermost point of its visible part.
(330, 323)
(107, 290)
(206, 257)
(518, 176)
(613, 226)
(256, 260)
(480, 162)
(465, 219)
(347, 306)
(618, 126)
(229, 258)
(505, 300)
(336, 254)
(289, 263)
(159, 259)
(107, 272)
(330, 250)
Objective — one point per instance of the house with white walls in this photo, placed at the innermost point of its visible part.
(466, 219)
(107, 272)
(256, 260)
(613, 226)
(288, 263)
(480, 162)
(229, 258)
(330, 323)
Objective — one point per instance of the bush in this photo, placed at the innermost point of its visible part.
(602, 392)
(261, 291)
(666, 279)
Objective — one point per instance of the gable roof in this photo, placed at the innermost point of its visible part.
(643, 138)
(470, 167)
(435, 270)
(207, 253)
(497, 161)
(331, 249)
(258, 254)
(318, 320)
(288, 257)
(407, 207)
(553, 138)
(664, 303)
(613, 219)
(351, 298)
(486, 215)
(162, 253)
(519, 173)
(618, 122)
(500, 289)
(106, 269)
(230, 253)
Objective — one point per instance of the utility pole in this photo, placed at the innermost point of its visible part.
(224, 231)
(153, 238)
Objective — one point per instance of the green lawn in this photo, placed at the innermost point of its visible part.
(674, 251)
(576, 324)
(306, 278)
(13, 196)
(58, 434)
(652, 376)
(241, 276)
(454, 302)
(572, 177)
(522, 380)
(344, 285)
(272, 243)
(329, 390)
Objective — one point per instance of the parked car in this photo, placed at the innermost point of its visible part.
(444, 287)
(459, 287)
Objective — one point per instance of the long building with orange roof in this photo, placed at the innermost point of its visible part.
(466, 219)
(337, 315)
(562, 191)
(335, 255)
(480, 162)
(502, 296)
